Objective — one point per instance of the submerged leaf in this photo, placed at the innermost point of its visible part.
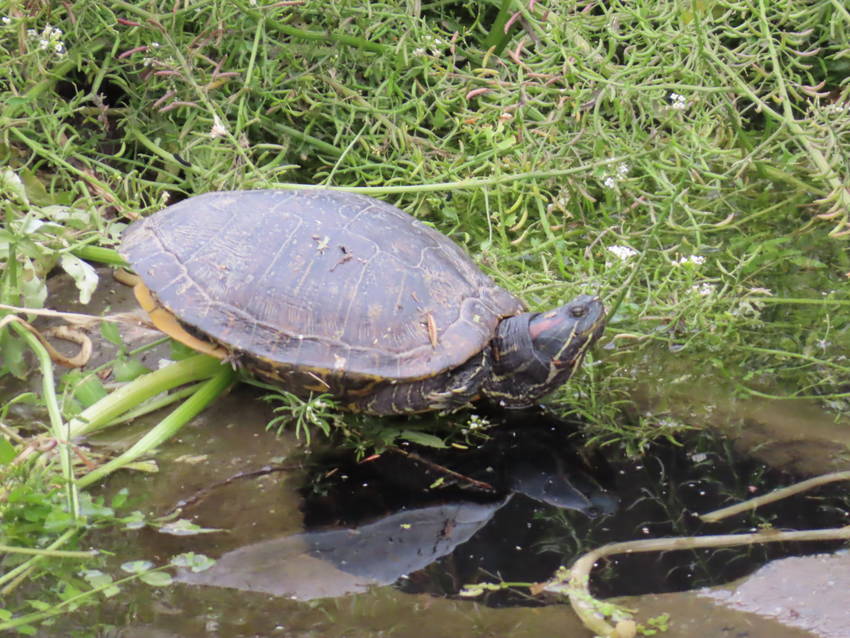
(423, 438)
(137, 566)
(156, 579)
(184, 527)
(192, 561)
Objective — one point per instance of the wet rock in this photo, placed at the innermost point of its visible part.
(806, 592)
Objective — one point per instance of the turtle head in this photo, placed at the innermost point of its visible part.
(534, 353)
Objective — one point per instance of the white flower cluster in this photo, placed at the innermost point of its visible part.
(704, 289)
(435, 49)
(697, 260)
(477, 422)
(622, 252)
(50, 39)
(611, 180)
(677, 102)
(836, 108)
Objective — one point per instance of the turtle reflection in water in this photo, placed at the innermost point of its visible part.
(322, 291)
(371, 523)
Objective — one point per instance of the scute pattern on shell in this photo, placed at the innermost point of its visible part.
(319, 280)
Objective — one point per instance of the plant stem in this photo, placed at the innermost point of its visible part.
(51, 553)
(59, 429)
(120, 401)
(13, 573)
(166, 428)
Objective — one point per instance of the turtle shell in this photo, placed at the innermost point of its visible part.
(336, 284)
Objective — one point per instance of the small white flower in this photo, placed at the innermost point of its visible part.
(622, 252)
(667, 422)
(218, 128)
(59, 48)
(704, 289)
(477, 422)
(42, 44)
(7, 20)
(31, 33)
(154, 45)
(623, 169)
(609, 182)
(677, 102)
(697, 260)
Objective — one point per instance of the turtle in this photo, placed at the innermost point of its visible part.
(322, 291)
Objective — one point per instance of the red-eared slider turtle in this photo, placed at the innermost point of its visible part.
(322, 291)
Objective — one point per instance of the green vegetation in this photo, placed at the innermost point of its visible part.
(687, 157)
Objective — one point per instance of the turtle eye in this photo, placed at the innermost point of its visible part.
(578, 311)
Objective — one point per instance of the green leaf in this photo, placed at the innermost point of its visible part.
(137, 566)
(808, 263)
(134, 520)
(125, 369)
(87, 387)
(423, 438)
(12, 355)
(58, 521)
(34, 188)
(180, 351)
(96, 578)
(11, 183)
(18, 100)
(33, 287)
(111, 591)
(119, 498)
(7, 451)
(109, 331)
(156, 579)
(91, 506)
(83, 274)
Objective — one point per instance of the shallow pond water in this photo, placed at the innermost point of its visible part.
(320, 545)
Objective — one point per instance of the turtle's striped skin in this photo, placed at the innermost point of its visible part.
(322, 291)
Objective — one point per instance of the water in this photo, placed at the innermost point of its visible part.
(316, 544)
(319, 545)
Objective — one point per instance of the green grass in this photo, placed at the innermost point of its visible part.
(709, 137)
